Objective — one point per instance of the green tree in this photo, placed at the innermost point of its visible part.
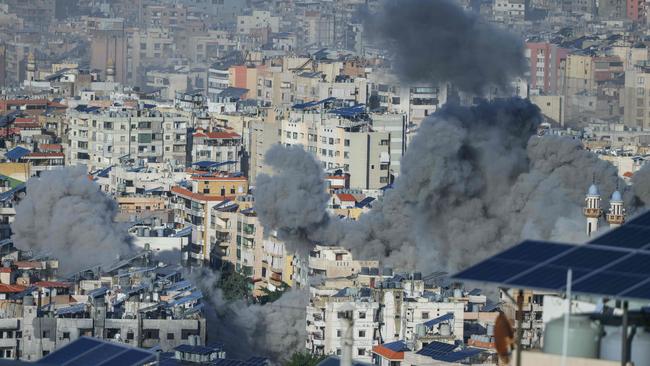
(304, 359)
(234, 285)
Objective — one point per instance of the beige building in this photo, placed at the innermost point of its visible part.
(637, 99)
(579, 75)
(237, 238)
(341, 144)
(100, 138)
(551, 106)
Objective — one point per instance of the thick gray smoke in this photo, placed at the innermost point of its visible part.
(474, 181)
(293, 201)
(274, 330)
(66, 215)
(438, 41)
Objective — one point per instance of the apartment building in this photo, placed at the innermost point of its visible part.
(546, 67)
(333, 262)
(222, 148)
(192, 204)
(336, 316)
(238, 239)
(339, 143)
(637, 98)
(100, 138)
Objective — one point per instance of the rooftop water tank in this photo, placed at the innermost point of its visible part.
(583, 337)
(610, 346)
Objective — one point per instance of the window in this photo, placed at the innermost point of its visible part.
(346, 142)
(46, 334)
(170, 336)
(151, 334)
(362, 334)
(338, 333)
(362, 315)
(66, 335)
(425, 315)
(361, 351)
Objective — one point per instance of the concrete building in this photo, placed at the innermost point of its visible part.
(108, 42)
(637, 101)
(100, 138)
(546, 67)
(223, 148)
(339, 143)
(239, 240)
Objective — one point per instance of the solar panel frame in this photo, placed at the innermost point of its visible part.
(607, 266)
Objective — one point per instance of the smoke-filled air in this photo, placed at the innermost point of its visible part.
(438, 41)
(66, 216)
(273, 330)
(474, 180)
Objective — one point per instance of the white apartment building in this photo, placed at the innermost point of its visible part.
(330, 317)
(332, 262)
(259, 19)
(218, 81)
(338, 143)
(100, 138)
(221, 147)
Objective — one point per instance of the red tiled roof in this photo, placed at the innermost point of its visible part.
(199, 197)
(53, 284)
(28, 264)
(346, 197)
(45, 155)
(218, 135)
(387, 353)
(4, 288)
(5, 270)
(50, 147)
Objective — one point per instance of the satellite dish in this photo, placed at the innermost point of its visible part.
(504, 337)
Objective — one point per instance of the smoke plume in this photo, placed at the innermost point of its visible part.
(275, 330)
(474, 181)
(65, 215)
(438, 41)
(294, 199)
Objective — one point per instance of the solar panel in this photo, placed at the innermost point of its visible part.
(626, 236)
(97, 356)
(587, 257)
(640, 220)
(436, 348)
(90, 351)
(614, 265)
(533, 251)
(460, 355)
(548, 277)
(397, 346)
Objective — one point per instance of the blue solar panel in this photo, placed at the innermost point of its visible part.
(17, 153)
(627, 236)
(97, 356)
(533, 251)
(639, 291)
(547, 277)
(90, 351)
(640, 220)
(397, 346)
(638, 264)
(588, 257)
(440, 319)
(493, 270)
(71, 351)
(436, 349)
(134, 357)
(607, 283)
(460, 355)
(616, 264)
